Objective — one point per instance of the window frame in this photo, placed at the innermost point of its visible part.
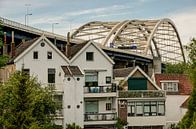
(49, 57)
(89, 56)
(35, 55)
(108, 106)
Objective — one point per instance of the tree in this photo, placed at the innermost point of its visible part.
(189, 120)
(120, 124)
(24, 104)
(72, 126)
(3, 58)
(179, 68)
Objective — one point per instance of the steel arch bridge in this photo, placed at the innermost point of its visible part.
(157, 38)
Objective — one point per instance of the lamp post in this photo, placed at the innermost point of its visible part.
(27, 14)
(53, 26)
(26, 18)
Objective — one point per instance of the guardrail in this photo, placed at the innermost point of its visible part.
(16, 25)
(100, 117)
(142, 94)
(100, 89)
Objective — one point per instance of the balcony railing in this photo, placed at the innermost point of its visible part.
(100, 89)
(142, 94)
(100, 117)
(54, 86)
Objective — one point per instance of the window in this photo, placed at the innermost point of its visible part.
(146, 108)
(51, 75)
(89, 56)
(170, 86)
(161, 108)
(91, 79)
(91, 107)
(58, 98)
(35, 55)
(131, 109)
(26, 71)
(139, 109)
(108, 80)
(108, 106)
(49, 54)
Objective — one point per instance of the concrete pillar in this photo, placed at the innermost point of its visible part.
(12, 45)
(5, 44)
(157, 64)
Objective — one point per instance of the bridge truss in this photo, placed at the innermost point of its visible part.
(157, 38)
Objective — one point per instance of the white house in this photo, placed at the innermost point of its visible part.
(141, 102)
(178, 89)
(100, 94)
(82, 77)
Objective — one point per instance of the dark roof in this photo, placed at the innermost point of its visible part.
(122, 72)
(75, 49)
(184, 84)
(185, 103)
(21, 48)
(71, 70)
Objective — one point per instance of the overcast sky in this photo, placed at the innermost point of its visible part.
(71, 14)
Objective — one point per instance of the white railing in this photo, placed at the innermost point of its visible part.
(54, 86)
(16, 25)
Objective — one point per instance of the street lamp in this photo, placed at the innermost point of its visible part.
(26, 18)
(27, 14)
(53, 26)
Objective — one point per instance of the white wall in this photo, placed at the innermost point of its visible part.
(39, 67)
(99, 63)
(146, 121)
(73, 96)
(173, 111)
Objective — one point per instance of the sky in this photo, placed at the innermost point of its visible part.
(71, 14)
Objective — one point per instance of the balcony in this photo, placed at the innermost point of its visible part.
(142, 94)
(58, 87)
(100, 91)
(100, 118)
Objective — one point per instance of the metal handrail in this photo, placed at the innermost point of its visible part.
(6, 22)
(142, 94)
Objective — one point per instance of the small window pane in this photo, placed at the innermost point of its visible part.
(49, 54)
(108, 106)
(35, 55)
(108, 80)
(89, 56)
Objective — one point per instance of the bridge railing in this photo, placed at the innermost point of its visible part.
(13, 24)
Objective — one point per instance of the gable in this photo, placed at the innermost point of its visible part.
(36, 46)
(139, 73)
(92, 47)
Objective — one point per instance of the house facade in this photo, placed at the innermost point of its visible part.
(141, 102)
(178, 89)
(82, 77)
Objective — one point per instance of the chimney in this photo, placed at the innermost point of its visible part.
(68, 46)
(12, 45)
(5, 44)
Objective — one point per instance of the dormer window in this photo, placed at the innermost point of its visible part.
(170, 86)
(89, 56)
(35, 55)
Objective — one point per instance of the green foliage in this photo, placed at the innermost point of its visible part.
(24, 104)
(120, 124)
(174, 126)
(189, 120)
(72, 126)
(3, 60)
(180, 68)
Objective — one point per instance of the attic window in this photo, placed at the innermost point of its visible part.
(170, 86)
(89, 56)
(49, 54)
(35, 55)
